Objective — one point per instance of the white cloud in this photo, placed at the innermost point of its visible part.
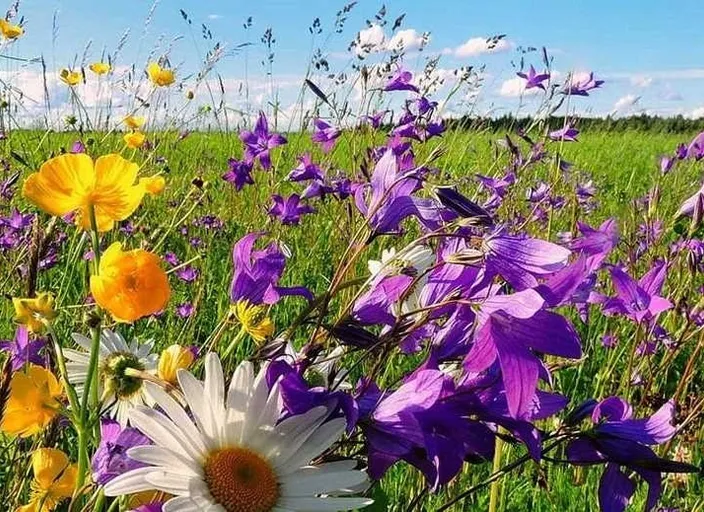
(697, 113)
(214, 16)
(642, 81)
(515, 87)
(479, 45)
(626, 102)
(408, 39)
(370, 40)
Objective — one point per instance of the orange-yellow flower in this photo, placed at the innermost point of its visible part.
(54, 480)
(172, 359)
(130, 284)
(100, 68)
(70, 78)
(133, 122)
(33, 402)
(154, 185)
(9, 30)
(159, 76)
(36, 312)
(73, 183)
(134, 140)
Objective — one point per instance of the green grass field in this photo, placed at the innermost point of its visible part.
(623, 166)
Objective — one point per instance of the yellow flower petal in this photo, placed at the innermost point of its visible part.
(130, 284)
(9, 30)
(36, 312)
(172, 359)
(62, 184)
(154, 185)
(33, 401)
(100, 68)
(69, 77)
(161, 77)
(134, 140)
(134, 122)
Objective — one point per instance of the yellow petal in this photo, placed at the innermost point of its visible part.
(154, 185)
(115, 196)
(134, 140)
(134, 122)
(48, 464)
(62, 184)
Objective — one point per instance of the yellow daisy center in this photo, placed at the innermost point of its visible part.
(240, 480)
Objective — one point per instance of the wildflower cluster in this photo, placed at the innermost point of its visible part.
(452, 321)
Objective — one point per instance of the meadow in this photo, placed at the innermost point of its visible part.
(623, 167)
(413, 317)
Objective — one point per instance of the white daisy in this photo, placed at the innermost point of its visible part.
(415, 260)
(417, 257)
(235, 455)
(116, 360)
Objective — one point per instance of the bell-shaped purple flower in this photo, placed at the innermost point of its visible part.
(239, 173)
(534, 79)
(259, 142)
(325, 134)
(257, 273)
(289, 210)
(110, 459)
(23, 350)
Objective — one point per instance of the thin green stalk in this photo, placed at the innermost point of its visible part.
(496, 466)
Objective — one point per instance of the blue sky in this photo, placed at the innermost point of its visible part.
(649, 52)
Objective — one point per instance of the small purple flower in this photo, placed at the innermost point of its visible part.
(666, 164)
(534, 79)
(401, 81)
(306, 169)
(581, 87)
(187, 273)
(375, 119)
(566, 134)
(289, 210)
(609, 340)
(620, 441)
(260, 141)
(78, 147)
(22, 350)
(681, 151)
(196, 242)
(638, 300)
(17, 221)
(171, 259)
(110, 459)
(257, 273)
(325, 134)
(239, 173)
(185, 310)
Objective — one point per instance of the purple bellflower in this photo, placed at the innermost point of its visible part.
(239, 173)
(306, 169)
(534, 79)
(21, 350)
(638, 300)
(581, 87)
(257, 273)
(566, 134)
(259, 142)
(110, 459)
(289, 210)
(325, 134)
(620, 441)
(401, 81)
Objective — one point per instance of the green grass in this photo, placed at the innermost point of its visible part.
(623, 166)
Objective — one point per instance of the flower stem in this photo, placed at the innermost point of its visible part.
(494, 491)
